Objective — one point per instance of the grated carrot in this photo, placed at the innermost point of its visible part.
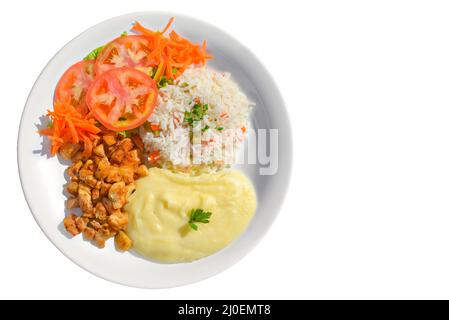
(154, 156)
(173, 51)
(70, 126)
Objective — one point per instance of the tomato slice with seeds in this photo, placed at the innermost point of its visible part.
(126, 51)
(74, 83)
(122, 98)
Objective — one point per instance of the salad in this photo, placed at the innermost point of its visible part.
(116, 85)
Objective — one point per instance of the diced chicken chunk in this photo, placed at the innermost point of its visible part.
(117, 194)
(142, 171)
(67, 150)
(101, 212)
(72, 203)
(99, 150)
(74, 169)
(89, 233)
(133, 157)
(84, 198)
(109, 139)
(127, 174)
(103, 169)
(81, 223)
(113, 174)
(70, 224)
(118, 220)
(126, 144)
(122, 241)
(72, 187)
(117, 156)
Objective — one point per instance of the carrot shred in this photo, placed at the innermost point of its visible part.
(154, 156)
(159, 72)
(155, 127)
(139, 28)
(168, 25)
(70, 126)
(172, 51)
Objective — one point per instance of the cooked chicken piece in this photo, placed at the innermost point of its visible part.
(73, 170)
(130, 189)
(122, 241)
(100, 239)
(96, 142)
(96, 159)
(84, 173)
(126, 144)
(78, 156)
(132, 157)
(100, 212)
(104, 188)
(72, 187)
(113, 174)
(142, 171)
(81, 223)
(127, 174)
(117, 194)
(70, 224)
(138, 142)
(103, 169)
(99, 151)
(89, 233)
(89, 215)
(108, 205)
(95, 224)
(87, 176)
(117, 156)
(107, 230)
(91, 181)
(88, 164)
(109, 139)
(118, 220)
(110, 150)
(98, 185)
(84, 198)
(67, 150)
(95, 195)
(72, 203)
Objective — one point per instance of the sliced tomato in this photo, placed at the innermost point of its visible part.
(126, 51)
(74, 83)
(122, 98)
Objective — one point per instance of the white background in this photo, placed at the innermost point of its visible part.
(366, 85)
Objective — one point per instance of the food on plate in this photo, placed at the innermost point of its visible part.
(125, 51)
(70, 126)
(100, 185)
(129, 112)
(161, 208)
(73, 85)
(200, 100)
(122, 98)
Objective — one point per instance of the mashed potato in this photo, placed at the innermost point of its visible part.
(159, 212)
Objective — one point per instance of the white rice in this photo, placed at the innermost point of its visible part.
(222, 127)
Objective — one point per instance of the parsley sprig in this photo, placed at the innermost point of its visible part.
(197, 114)
(198, 216)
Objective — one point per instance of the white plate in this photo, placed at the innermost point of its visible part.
(43, 177)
